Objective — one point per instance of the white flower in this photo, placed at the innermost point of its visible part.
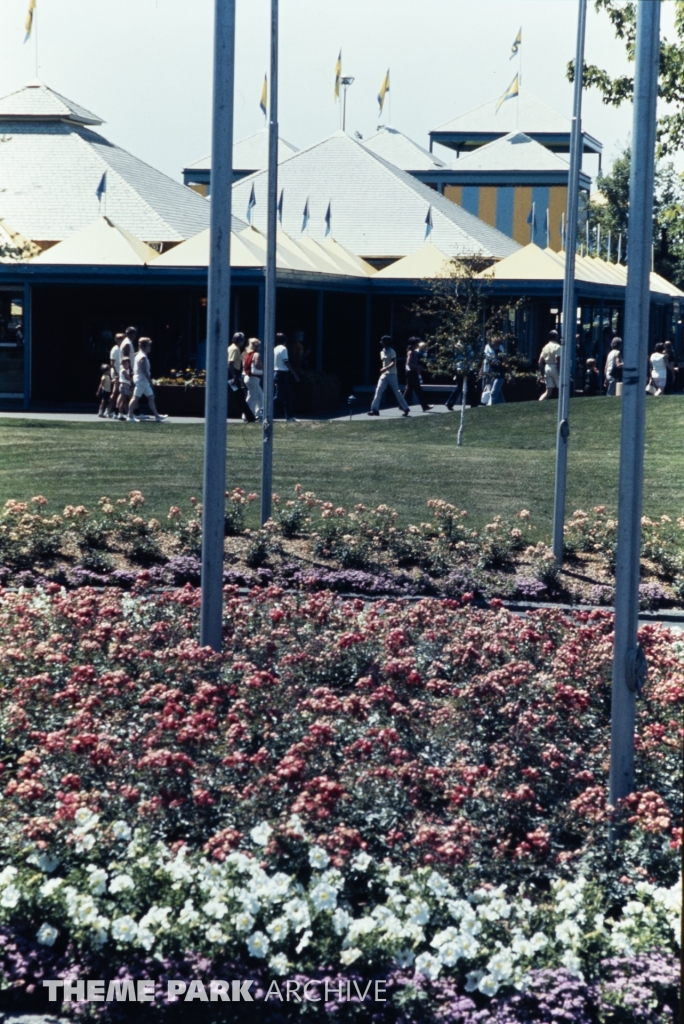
(121, 830)
(361, 926)
(429, 965)
(85, 819)
(500, 966)
(279, 885)
(404, 958)
(341, 920)
(488, 985)
(248, 900)
(439, 885)
(469, 945)
(460, 908)
(7, 874)
(279, 964)
(324, 897)
(296, 911)
(97, 880)
(538, 941)
(349, 956)
(394, 875)
(188, 914)
(362, 861)
(99, 930)
(278, 928)
(260, 834)
(214, 933)
(217, 909)
(46, 934)
(257, 944)
(10, 896)
(45, 861)
(124, 929)
(473, 979)
(84, 910)
(572, 962)
(470, 924)
(418, 911)
(243, 921)
(51, 886)
(318, 858)
(567, 932)
(83, 842)
(522, 946)
(120, 883)
(450, 953)
(304, 940)
(447, 935)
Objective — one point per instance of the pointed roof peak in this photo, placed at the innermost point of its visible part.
(38, 102)
(398, 149)
(513, 152)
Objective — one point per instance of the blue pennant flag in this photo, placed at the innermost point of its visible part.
(250, 205)
(328, 218)
(305, 220)
(280, 205)
(532, 221)
(428, 221)
(102, 187)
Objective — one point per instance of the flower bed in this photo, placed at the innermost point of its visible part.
(407, 794)
(311, 545)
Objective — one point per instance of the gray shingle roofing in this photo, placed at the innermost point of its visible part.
(250, 154)
(36, 100)
(514, 152)
(395, 147)
(527, 113)
(377, 210)
(51, 166)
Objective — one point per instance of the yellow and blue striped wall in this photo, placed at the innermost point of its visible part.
(507, 207)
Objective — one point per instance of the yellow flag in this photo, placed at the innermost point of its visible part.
(29, 18)
(511, 91)
(338, 76)
(516, 44)
(264, 96)
(384, 89)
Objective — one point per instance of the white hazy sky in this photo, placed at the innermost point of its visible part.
(144, 66)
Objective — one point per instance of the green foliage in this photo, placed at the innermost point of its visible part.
(671, 79)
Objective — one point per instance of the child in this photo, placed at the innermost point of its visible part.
(591, 378)
(104, 391)
(125, 387)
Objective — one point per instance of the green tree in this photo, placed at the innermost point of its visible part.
(460, 320)
(611, 213)
(617, 90)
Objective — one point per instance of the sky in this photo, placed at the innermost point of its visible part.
(145, 66)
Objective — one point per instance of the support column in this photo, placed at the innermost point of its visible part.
(319, 330)
(28, 345)
(367, 347)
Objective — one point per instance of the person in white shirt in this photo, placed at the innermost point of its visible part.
(388, 378)
(142, 382)
(115, 363)
(282, 398)
(253, 371)
(658, 363)
(127, 345)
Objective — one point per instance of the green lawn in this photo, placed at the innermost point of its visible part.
(507, 461)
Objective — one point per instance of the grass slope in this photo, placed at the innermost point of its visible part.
(507, 461)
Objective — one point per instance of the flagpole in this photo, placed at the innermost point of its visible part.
(218, 326)
(270, 289)
(569, 300)
(629, 662)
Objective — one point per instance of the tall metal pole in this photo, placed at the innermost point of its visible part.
(218, 326)
(629, 663)
(270, 290)
(569, 301)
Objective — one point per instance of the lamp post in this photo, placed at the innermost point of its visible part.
(270, 289)
(345, 82)
(629, 662)
(218, 326)
(569, 301)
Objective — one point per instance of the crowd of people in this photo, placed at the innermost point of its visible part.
(127, 378)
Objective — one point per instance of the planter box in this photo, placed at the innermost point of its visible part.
(180, 401)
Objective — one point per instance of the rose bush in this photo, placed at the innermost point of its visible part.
(342, 789)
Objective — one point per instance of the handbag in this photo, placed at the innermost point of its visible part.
(651, 389)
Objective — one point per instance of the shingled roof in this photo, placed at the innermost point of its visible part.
(395, 147)
(377, 210)
(52, 161)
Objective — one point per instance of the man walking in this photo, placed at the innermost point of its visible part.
(388, 378)
(142, 382)
(282, 399)
(414, 353)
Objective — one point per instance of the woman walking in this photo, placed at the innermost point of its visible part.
(253, 371)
